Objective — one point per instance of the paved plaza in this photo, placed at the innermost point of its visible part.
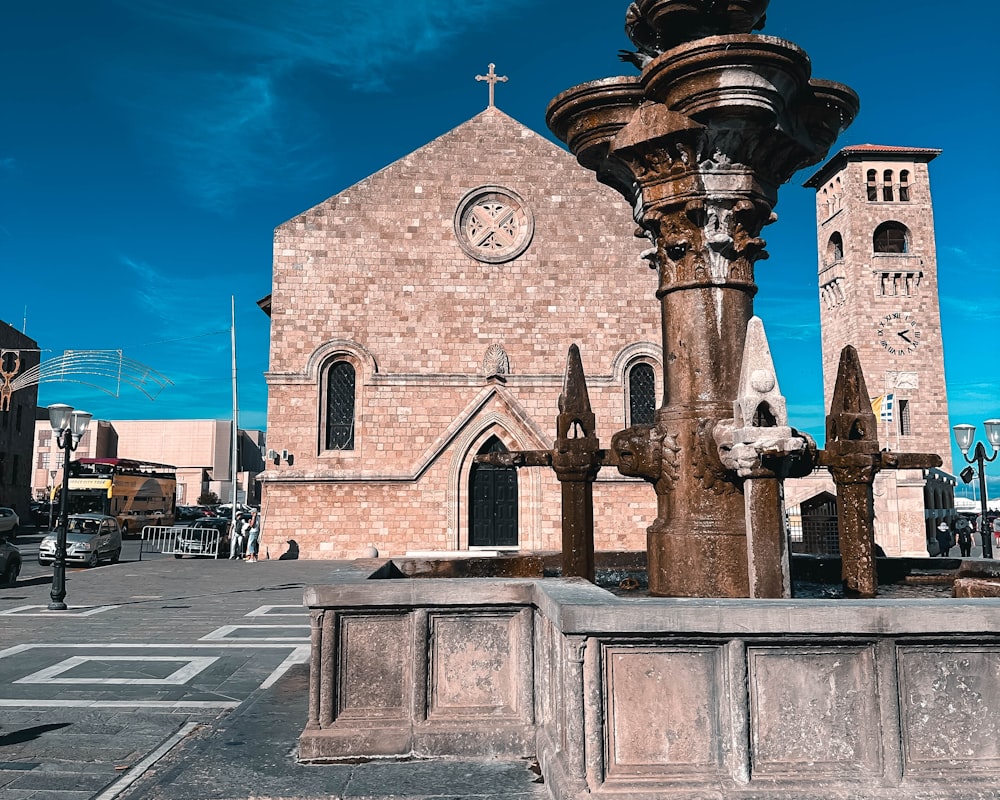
(181, 679)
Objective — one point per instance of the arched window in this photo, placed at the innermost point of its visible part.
(340, 395)
(904, 185)
(835, 249)
(891, 237)
(887, 185)
(641, 394)
(872, 188)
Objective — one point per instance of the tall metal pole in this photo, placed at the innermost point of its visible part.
(987, 535)
(235, 433)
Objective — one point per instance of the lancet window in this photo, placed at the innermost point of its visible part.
(340, 402)
(887, 185)
(641, 394)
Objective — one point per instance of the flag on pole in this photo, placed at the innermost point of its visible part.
(883, 405)
(888, 403)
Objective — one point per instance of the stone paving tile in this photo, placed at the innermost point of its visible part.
(73, 753)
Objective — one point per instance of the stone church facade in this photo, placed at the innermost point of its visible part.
(878, 291)
(423, 316)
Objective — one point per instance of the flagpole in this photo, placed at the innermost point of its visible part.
(235, 431)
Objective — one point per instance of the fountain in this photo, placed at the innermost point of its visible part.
(720, 686)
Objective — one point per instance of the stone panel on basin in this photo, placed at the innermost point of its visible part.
(814, 710)
(473, 666)
(375, 651)
(950, 708)
(662, 710)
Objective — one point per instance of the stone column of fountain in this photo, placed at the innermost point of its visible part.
(699, 144)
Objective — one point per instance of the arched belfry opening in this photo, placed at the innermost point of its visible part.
(492, 501)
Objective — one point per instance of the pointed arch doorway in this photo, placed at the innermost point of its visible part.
(492, 501)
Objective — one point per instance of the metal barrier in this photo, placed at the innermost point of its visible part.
(179, 541)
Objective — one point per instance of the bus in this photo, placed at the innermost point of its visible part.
(137, 493)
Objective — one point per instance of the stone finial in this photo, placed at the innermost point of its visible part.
(760, 403)
(851, 426)
(760, 417)
(576, 419)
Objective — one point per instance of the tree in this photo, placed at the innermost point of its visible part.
(208, 499)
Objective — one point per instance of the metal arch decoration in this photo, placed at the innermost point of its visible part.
(76, 366)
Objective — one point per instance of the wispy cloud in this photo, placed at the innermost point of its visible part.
(223, 112)
(7, 164)
(184, 305)
(786, 329)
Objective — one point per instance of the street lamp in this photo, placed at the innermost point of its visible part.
(69, 426)
(964, 434)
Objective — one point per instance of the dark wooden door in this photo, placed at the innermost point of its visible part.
(493, 502)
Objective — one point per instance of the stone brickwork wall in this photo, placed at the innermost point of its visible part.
(378, 276)
(17, 419)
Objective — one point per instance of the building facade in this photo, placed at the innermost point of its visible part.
(878, 289)
(424, 316)
(200, 449)
(18, 355)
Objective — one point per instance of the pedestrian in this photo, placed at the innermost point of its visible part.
(964, 537)
(945, 539)
(253, 537)
(237, 539)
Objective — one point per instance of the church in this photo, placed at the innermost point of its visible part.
(422, 317)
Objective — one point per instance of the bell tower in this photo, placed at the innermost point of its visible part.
(878, 290)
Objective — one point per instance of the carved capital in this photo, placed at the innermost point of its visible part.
(863, 474)
(707, 243)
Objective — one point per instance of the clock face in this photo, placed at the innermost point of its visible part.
(898, 333)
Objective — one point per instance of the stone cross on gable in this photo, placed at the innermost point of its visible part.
(493, 79)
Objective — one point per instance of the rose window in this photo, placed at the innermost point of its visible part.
(493, 224)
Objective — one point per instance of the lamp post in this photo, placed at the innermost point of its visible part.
(69, 426)
(964, 434)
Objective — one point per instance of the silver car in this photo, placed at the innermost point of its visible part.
(8, 522)
(89, 538)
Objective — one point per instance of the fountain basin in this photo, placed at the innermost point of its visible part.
(651, 698)
(587, 117)
(748, 77)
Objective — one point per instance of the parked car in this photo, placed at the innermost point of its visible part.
(195, 538)
(8, 522)
(89, 538)
(40, 511)
(10, 562)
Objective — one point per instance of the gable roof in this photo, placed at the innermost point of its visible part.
(860, 152)
(488, 131)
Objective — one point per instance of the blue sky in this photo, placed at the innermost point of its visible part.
(150, 147)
